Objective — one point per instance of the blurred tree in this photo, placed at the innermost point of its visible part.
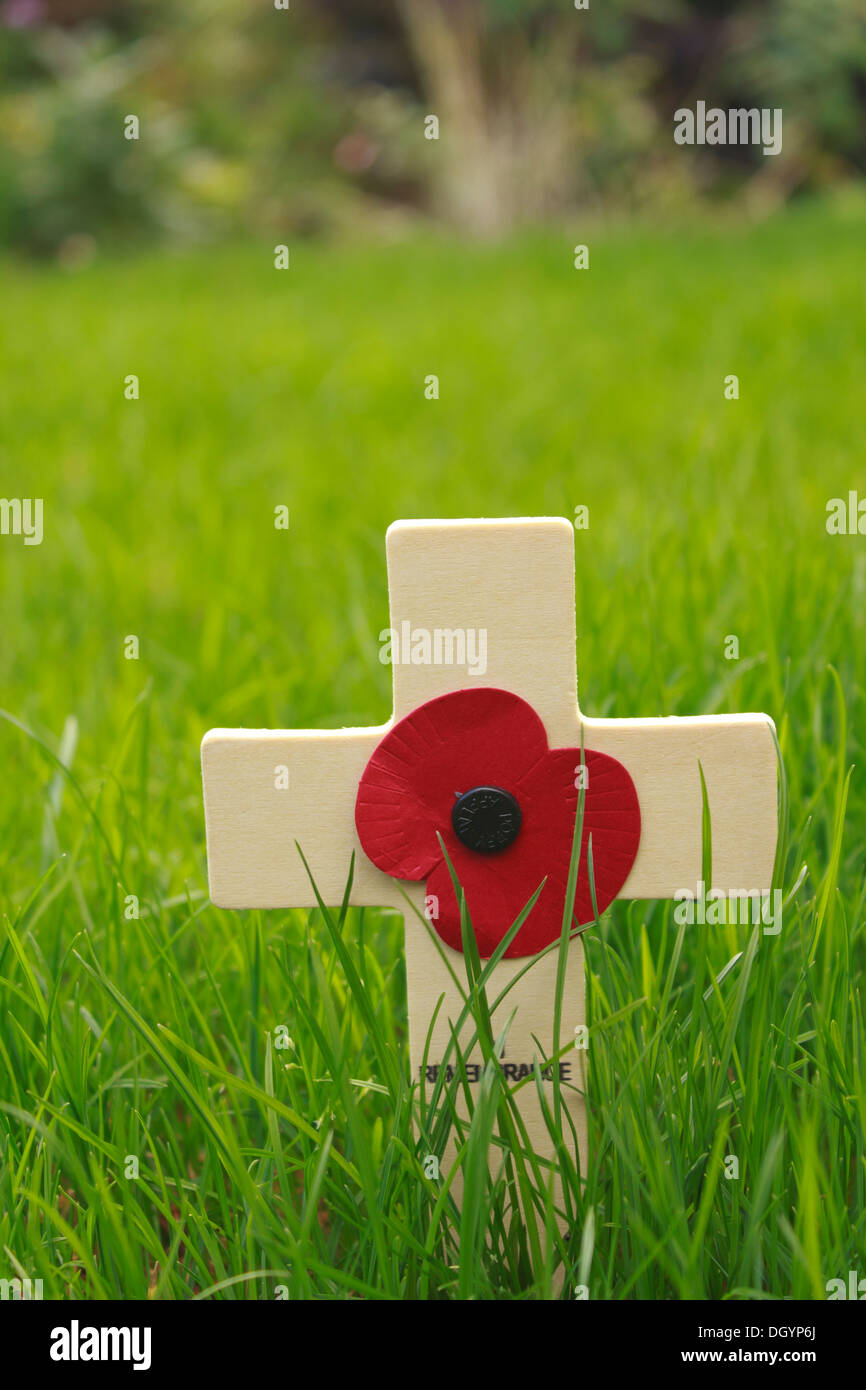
(257, 119)
(499, 77)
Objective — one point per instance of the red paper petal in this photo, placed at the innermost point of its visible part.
(441, 749)
(491, 737)
(499, 886)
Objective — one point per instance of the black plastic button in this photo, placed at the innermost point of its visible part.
(486, 819)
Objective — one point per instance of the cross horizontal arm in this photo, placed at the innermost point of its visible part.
(663, 757)
(265, 789)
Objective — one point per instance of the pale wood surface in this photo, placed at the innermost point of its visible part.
(514, 578)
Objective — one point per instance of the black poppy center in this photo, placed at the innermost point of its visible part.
(486, 819)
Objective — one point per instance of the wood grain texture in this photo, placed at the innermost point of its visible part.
(515, 580)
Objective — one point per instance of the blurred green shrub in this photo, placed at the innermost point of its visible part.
(312, 118)
(238, 123)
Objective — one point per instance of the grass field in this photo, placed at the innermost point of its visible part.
(262, 1168)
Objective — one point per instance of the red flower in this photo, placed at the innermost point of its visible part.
(493, 744)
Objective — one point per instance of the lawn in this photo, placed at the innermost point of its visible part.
(182, 1107)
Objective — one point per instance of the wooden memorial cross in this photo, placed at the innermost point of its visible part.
(487, 608)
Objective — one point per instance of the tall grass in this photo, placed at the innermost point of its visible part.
(254, 1065)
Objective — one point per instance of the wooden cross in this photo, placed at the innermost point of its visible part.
(513, 579)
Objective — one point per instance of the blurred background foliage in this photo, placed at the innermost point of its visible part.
(310, 120)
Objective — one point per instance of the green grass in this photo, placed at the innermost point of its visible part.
(263, 1166)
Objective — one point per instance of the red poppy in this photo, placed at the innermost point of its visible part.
(475, 767)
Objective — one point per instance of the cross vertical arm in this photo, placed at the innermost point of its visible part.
(513, 580)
